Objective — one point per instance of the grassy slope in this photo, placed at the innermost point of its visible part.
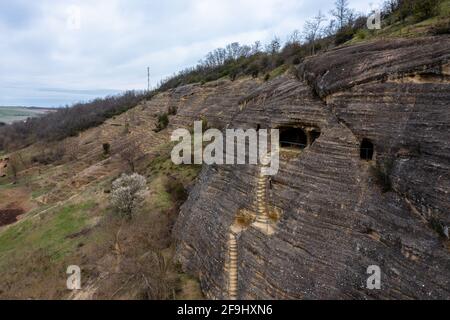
(35, 252)
(407, 29)
(78, 227)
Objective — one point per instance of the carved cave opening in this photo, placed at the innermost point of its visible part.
(293, 138)
(314, 135)
(366, 150)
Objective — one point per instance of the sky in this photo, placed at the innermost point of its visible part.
(58, 52)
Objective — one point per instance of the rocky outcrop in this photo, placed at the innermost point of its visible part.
(215, 101)
(3, 167)
(336, 217)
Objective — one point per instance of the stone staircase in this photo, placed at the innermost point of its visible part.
(261, 207)
(232, 267)
(261, 222)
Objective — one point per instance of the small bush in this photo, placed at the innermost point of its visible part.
(253, 70)
(382, 173)
(176, 190)
(106, 149)
(49, 156)
(172, 110)
(279, 62)
(274, 215)
(267, 77)
(361, 34)
(163, 122)
(439, 227)
(424, 9)
(244, 218)
(233, 74)
(343, 35)
(440, 29)
(127, 194)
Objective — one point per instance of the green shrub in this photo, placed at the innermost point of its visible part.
(176, 190)
(382, 173)
(439, 227)
(233, 74)
(106, 149)
(244, 218)
(253, 70)
(424, 9)
(361, 34)
(279, 62)
(441, 29)
(343, 35)
(163, 122)
(172, 110)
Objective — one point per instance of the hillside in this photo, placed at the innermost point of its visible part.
(337, 211)
(363, 180)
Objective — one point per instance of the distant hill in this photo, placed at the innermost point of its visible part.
(12, 114)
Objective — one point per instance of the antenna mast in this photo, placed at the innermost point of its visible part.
(148, 79)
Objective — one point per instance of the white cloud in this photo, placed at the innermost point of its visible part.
(118, 39)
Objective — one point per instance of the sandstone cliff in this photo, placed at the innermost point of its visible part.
(332, 217)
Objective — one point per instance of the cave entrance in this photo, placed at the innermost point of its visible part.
(313, 135)
(366, 150)
(293, 138)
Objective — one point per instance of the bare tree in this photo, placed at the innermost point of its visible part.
(390, 5)
(341, 12)
(331, 29)
(15, 163)
(131, 153)
(294, 37)
(274, 46)
(256, 48)
(312, 30)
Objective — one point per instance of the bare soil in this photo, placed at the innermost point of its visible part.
(9, 215)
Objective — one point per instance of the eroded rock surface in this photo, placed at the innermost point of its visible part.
(336, 219)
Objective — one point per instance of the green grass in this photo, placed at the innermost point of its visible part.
(279, 71)
(40, 191)
(162, 166)
(407, 29)
(444, 10)
(49, 234)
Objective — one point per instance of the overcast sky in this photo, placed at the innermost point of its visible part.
(49, 57)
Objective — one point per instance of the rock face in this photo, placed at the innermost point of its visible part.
(338, 213)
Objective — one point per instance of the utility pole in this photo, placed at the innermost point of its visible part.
(148, 79)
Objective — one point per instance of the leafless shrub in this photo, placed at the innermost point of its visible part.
(131, 153)
(66, 122)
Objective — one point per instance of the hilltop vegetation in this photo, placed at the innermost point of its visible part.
(67, 121)
(320, 33)
(63, 167)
